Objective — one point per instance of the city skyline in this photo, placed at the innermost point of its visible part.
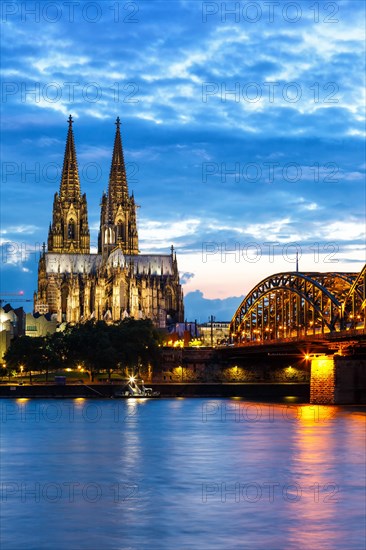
(234, 151)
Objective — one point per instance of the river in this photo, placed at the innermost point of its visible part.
(181, 474)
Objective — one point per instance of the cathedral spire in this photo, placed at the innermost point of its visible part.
(117, 188)
(118, 210)
(70, 185)
(69, 232)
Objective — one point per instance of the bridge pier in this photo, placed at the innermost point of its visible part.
(336, 379)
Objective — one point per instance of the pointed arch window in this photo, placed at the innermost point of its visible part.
(120, 231)
(71, 229)
(169, 300)
(64, 298)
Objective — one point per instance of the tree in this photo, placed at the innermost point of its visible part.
(89, 344)
(136, 343)
(95, 344)
(54, 352)
(26, 352)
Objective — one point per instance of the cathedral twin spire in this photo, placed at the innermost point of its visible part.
(70, 185)
(118, 209)
(117, 188)
(69, 232)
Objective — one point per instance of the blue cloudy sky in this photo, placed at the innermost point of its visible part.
(243, 130)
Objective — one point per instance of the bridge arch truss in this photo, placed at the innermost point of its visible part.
(292, 304)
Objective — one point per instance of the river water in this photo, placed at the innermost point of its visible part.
(181, 474)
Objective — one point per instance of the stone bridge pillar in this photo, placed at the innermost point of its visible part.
(337, 379)
(322, 380)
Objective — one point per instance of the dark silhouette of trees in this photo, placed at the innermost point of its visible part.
(129, 345)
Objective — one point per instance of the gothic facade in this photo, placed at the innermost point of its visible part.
(117, 282)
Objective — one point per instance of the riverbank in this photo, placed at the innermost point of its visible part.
(259, 391)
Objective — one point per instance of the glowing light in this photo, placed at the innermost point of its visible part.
(195, 343)
(323, 366)
(79, 400)
(178, 344)
(132, 379)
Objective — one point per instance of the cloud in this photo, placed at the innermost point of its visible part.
(219, 118)
(185, 277)
(154, 234)
(200, 308)
(19, 229)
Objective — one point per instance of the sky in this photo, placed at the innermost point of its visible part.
(243, 128)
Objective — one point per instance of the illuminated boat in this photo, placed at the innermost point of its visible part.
(132, 389)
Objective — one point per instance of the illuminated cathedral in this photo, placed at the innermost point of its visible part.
(117, 282)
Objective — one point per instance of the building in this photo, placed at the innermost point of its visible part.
(215, 333)
(117, 282)
(37, 324)
(12, 324)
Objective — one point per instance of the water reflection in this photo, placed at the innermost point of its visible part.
(182, 473)
(312, 471)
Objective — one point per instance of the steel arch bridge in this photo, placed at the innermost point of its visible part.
(294, 305)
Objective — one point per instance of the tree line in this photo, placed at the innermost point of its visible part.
(94, 345)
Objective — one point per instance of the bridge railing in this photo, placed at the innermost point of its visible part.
(354, 333)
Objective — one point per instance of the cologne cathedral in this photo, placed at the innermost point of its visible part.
(117, 282)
